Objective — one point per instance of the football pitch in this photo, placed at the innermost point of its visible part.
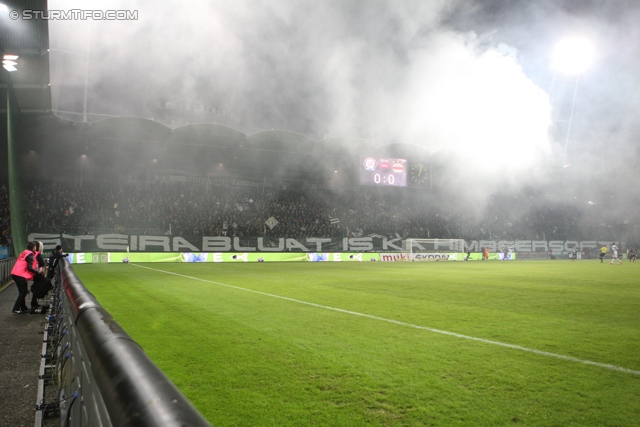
(537, 343)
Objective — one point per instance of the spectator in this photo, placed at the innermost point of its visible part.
(23, 271)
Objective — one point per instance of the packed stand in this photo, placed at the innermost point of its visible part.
(191, 210)
(5, 218)
(176, 210)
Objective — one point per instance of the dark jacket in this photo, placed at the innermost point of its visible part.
(54, 259)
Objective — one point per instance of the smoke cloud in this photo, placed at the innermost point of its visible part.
(466, 80)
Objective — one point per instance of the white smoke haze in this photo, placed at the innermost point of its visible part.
(465, 80)
(477, 103)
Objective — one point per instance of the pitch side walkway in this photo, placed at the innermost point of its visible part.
(20, 346)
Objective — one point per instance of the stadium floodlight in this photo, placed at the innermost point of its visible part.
(572, 56)
(83, 160)
(3, 8)
(9, 62)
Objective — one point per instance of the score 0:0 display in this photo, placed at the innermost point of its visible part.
(390, 179)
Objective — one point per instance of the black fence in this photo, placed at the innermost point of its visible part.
(102, 377)
(5, 270)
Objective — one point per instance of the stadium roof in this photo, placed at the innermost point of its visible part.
(123, 146)
(29, 40)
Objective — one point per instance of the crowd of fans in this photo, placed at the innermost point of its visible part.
(176, 210)
(5, 219)
(191, 210)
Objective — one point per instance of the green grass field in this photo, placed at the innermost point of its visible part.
(354, 344)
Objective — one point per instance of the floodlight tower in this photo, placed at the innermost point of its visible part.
(571, 57)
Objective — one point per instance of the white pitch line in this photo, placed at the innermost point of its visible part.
(424, 328)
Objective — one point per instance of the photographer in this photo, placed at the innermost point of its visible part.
(54, 259)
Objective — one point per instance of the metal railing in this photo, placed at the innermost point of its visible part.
(100, 375)
(5, 270)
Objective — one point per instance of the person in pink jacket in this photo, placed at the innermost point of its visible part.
(23, 271)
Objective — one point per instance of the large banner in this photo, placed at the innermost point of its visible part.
(144, 243)
(538, 245)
